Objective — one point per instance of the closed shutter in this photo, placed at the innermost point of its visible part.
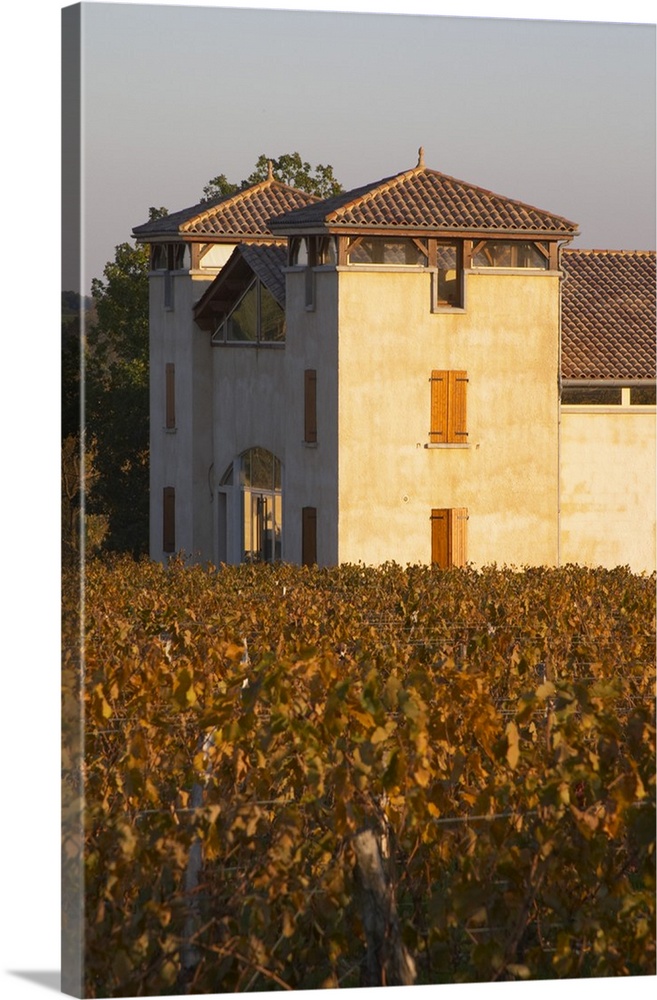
(308, 536)
(310, 406)
(439, 396)
(449, 537)
(448, 407)
(456, 422)
(170, 393)
(169, 519)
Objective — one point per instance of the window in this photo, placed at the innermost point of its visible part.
(448, 536)
(308, 536)
(312, 251)
(168, 257)
(310, 406)
(170, 396)
(512, 254)
(608, 395)
(169, 519)
(257, 318)
(262, 506)
(382, 250)
(448, 407)
(591, 395)
(643, 395)
(448, 283)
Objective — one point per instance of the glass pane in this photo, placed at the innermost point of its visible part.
(272, 318)
(326, 251)
(260, 469)
(643, 395)
(500, 253)
(241, 325)
(597, 396)
(530, 256)
(377, 250)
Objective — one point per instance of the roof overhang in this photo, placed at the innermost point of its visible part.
(421, 231)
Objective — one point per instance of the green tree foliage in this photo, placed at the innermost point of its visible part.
(288, 168)
(495, 731)
(78, 471)
(116, 397)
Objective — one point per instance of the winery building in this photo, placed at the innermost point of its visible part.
(418, 370)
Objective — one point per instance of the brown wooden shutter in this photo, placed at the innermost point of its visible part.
(169, 519)
(310, 406)
(439, 397)
(456, 421)
(449, 536)
(448, 407)
(170, 396)
(308, 536)
(440, 537)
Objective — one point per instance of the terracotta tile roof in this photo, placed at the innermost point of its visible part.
(425, 199)
(245, 213)
(608, 314)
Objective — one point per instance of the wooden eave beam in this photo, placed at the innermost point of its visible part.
(415, 232)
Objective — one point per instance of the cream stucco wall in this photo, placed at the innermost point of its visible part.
(608, 475)
(506, 339)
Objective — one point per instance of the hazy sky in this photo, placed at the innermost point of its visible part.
(559, 114)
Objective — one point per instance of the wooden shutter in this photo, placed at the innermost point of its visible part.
(170, 392)
(440, 537)
(448, 407)
(456, 420)
(169, 519)
(439, 396)
(449, 536)
(310, 406)
(308, 536)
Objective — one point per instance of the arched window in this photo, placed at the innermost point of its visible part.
(262, 505)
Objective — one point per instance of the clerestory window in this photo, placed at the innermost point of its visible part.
(401, 252)
(256, 318)
(511, 254)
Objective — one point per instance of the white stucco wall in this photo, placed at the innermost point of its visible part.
(608, 476)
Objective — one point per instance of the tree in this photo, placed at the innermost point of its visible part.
(116, 397)
(288, 168)
(219, 187)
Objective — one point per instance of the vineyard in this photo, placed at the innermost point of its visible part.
(303, 778)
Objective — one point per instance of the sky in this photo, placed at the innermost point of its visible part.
(559, 115)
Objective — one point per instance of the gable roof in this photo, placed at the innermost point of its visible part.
(608, 314)
(422, 199)
(245, 213)
(262, 260)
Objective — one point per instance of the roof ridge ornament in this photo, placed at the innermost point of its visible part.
(420, 156)
(270, 170)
